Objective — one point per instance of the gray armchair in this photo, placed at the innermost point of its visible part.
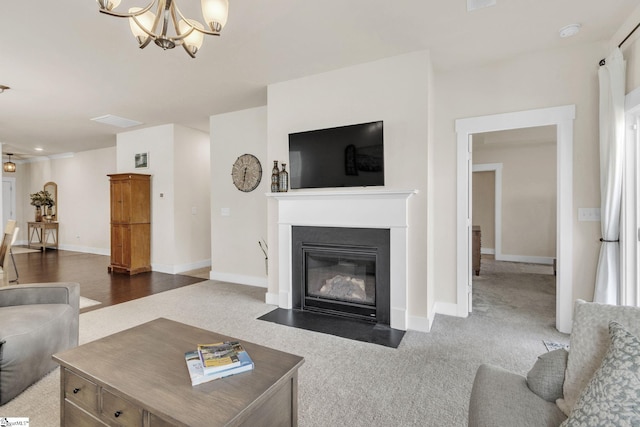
(36, 321)
(553, 387)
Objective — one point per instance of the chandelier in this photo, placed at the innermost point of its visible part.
(9, 166)
(147, 25)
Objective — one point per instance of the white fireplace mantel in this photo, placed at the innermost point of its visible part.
(359, 208)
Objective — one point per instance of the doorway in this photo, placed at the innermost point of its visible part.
(490, 208)
(562, 117)
(514, 193)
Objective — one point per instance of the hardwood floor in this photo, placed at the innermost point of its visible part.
(91, 272)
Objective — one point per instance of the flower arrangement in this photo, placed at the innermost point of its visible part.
(41, 198)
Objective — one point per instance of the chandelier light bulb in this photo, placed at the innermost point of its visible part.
(215, 13)
(108, 4)
(146, 20)
(194, 40)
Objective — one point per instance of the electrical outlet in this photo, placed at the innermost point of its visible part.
(225, 211)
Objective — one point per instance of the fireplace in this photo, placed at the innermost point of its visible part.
(382, 209)
(341, 271)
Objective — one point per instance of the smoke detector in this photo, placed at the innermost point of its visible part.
(479, 4)
(569, 30)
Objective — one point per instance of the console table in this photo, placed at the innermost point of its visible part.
(43, 235)
(138, 377)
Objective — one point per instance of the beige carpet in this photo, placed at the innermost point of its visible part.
(425, 382)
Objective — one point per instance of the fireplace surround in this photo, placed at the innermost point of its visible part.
(341, 271)
(384, 209)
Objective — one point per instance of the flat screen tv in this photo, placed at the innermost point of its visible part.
(345, 156)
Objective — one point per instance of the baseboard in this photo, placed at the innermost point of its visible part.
(446, 308)
(239, 279)
(526, 258)
(487, 251)
(84, 249)
(272, 298)
(177, 269)
(420, 324)
(193, 266)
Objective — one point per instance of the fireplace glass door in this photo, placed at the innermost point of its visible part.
(340, 280)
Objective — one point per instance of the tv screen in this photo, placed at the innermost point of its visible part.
(346, 156)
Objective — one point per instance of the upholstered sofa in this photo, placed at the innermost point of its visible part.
(595, 383)
(36, 321)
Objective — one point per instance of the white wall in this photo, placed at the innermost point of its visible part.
(173, 171)
(83, 197)
(235, 254)
(192, 208)
(528, 200)
(537, 80)
(395, 90)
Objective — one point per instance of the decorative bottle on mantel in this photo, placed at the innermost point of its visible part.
(275, 177)
(283, 181)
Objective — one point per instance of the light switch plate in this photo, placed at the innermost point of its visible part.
(588, 214)
(225, 211)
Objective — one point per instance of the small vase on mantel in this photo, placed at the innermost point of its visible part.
(38, 214)
(275, 177)
(283, 179)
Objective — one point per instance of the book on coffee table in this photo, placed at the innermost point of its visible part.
(219, 356)
(196, 370)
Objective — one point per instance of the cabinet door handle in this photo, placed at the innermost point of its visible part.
(76, 390)
(117, 414)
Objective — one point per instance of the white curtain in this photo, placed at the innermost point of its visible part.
(612, 88)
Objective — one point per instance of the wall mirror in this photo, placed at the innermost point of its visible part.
(52, 188)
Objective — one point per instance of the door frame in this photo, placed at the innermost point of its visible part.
(562, 117)
(630, 214)
(12, 198)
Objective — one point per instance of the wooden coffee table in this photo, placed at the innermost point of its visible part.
(138, 377)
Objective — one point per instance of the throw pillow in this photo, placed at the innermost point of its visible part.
(589, 342)
(612, 397)
(547, 375)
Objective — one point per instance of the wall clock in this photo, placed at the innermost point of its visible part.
(246, 172)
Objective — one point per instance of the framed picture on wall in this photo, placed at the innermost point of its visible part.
(142, 160)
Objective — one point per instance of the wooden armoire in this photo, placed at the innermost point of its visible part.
(130, 223)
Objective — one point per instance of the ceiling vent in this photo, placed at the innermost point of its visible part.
(120, 122)
(479, 4)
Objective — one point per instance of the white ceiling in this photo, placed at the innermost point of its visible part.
(67, 63)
